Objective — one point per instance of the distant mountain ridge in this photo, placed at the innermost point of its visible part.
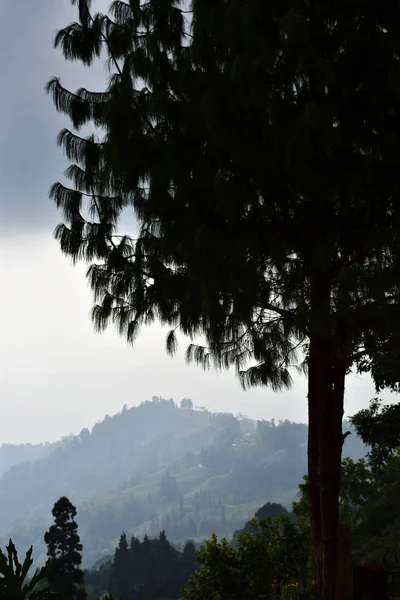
(15, 454)
(151, 467)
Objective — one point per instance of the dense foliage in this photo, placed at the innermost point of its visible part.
(64, 550)
(272, 561)
(379, 427)
(143, 570)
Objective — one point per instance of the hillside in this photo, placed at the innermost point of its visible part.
(155, 467)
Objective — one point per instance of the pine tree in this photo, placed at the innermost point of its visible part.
(259, 153)
(120, 584)
(65, 552)
(135, 551)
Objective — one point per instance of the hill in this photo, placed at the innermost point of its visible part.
(152, 467)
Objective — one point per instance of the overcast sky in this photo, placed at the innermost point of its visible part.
(56, 375)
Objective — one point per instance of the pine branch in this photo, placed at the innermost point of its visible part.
(119, 70)
(372, 350)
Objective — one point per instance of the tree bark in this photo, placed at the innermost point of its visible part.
(326, 378)
(344, 582)
(313, 469)
(330, 446)
(328, 358)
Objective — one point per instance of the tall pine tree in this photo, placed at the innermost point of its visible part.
(257, 146)
(65, 552)
(121, 578)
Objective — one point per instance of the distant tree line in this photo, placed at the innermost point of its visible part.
(143, 570)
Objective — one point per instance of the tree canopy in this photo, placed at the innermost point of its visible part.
(147, 569)
(257, 146)
(379, 427)
(274, 561)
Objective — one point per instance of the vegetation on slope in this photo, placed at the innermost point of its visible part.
(158, 467)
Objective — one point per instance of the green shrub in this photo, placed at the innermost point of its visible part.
(273, 561)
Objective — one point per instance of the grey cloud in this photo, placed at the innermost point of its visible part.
(29, 158)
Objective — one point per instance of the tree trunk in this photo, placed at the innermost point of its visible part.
(330, 457)
(330, 452)
(313, 471)
(344, 582)
(326, 377)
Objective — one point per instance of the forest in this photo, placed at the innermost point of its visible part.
(156, 467)
(273, 548)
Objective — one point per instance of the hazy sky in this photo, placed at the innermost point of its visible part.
(56, 375)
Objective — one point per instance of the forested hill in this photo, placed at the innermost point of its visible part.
(152, 467)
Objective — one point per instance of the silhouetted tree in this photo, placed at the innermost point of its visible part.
(148, 569)
(379, 428)
(120, 584)
(65, 552)
(267, 226)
